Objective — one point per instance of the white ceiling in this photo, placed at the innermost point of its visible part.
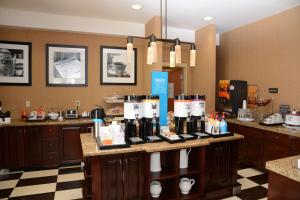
(183, 14)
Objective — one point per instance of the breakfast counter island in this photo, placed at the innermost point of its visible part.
(125, 173)
(284, 178)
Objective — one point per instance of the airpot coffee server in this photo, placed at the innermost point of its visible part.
(150, 107)
(133, 119)
(182, 115)
(198, 112)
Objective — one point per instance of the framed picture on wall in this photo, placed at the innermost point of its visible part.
(66, 65)
(114, 66)
(15, 63)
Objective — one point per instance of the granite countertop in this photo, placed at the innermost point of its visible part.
(19, 122)
(276, 129)
(285, 167)
(90, 148)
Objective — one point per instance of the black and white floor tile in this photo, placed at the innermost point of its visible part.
(59, 184)
(66, 183)
(254, 184)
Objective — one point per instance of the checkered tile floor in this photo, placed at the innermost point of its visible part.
(66, 183)
(254, 184)
(60, 184)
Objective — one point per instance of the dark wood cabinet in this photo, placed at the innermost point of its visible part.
(260, 146)
(70, 146)
(115, 177)
(32, 146)
(294, 143)
(3, 149)
(122, 176)
(40, 146)
(50, 143)
(112, 177)
(221, 168)
(133, 168)
(276, 146)
(15, 147)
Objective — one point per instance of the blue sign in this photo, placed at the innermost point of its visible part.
(160, 87)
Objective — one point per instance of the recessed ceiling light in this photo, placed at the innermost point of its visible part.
(208, 18)
(136, 6)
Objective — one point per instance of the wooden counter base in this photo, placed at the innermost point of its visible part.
(281, 187)
(126, 175)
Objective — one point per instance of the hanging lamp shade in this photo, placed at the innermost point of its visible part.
(172, 56)
(149, 54)
(193, 55)
(177, 51)
(129, 49)
(154, 48)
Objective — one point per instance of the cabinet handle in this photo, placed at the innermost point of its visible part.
(126, 161)
(120, 162)
(276, 137)
(71, 128)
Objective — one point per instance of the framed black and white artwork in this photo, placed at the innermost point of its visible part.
(66, 65)
(15, 63)
(115, 68)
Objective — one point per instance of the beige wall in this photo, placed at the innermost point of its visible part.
(13, 98)
(265, 53)
(204, 74)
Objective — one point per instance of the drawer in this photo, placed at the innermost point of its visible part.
(50, 132)
(294, 145)
(276, 138)
(273, 151)
(50, 159)
(50, 145)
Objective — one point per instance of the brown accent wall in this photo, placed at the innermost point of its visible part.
(265, 53)
(13, 98)
(204, 74)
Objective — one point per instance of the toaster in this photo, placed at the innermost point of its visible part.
(71, 114)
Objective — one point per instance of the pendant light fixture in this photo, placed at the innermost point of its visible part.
(149, 54)
(193, 55)
(129, 49)
(154, 48)
(172, 56)
(177, 51)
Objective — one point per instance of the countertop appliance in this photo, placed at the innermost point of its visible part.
(98, 113)
(4, 117)
(71, 114)
(231, 96)
(133, 119)
(293, 118)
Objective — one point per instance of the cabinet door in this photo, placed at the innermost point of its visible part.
(32, 141)
(70, 146)
(15, 147)
(294, 145)
(134, 176)
(221, 161)
(112, 176)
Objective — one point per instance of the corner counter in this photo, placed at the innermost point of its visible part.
(125, 173)
(284, 179)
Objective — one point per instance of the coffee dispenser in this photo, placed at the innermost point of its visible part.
(151, 118)
(133, 119)
(182, 114)
(197, 111)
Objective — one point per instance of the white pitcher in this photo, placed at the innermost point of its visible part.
(184, 158)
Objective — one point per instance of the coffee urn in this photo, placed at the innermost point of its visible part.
(133, 119)
(151, 118)
(182, 111)
(197, 111)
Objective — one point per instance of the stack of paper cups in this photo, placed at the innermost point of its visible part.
(244, 104)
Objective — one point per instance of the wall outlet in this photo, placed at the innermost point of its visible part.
(27, 104)
(77, 102)
(273, 90)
